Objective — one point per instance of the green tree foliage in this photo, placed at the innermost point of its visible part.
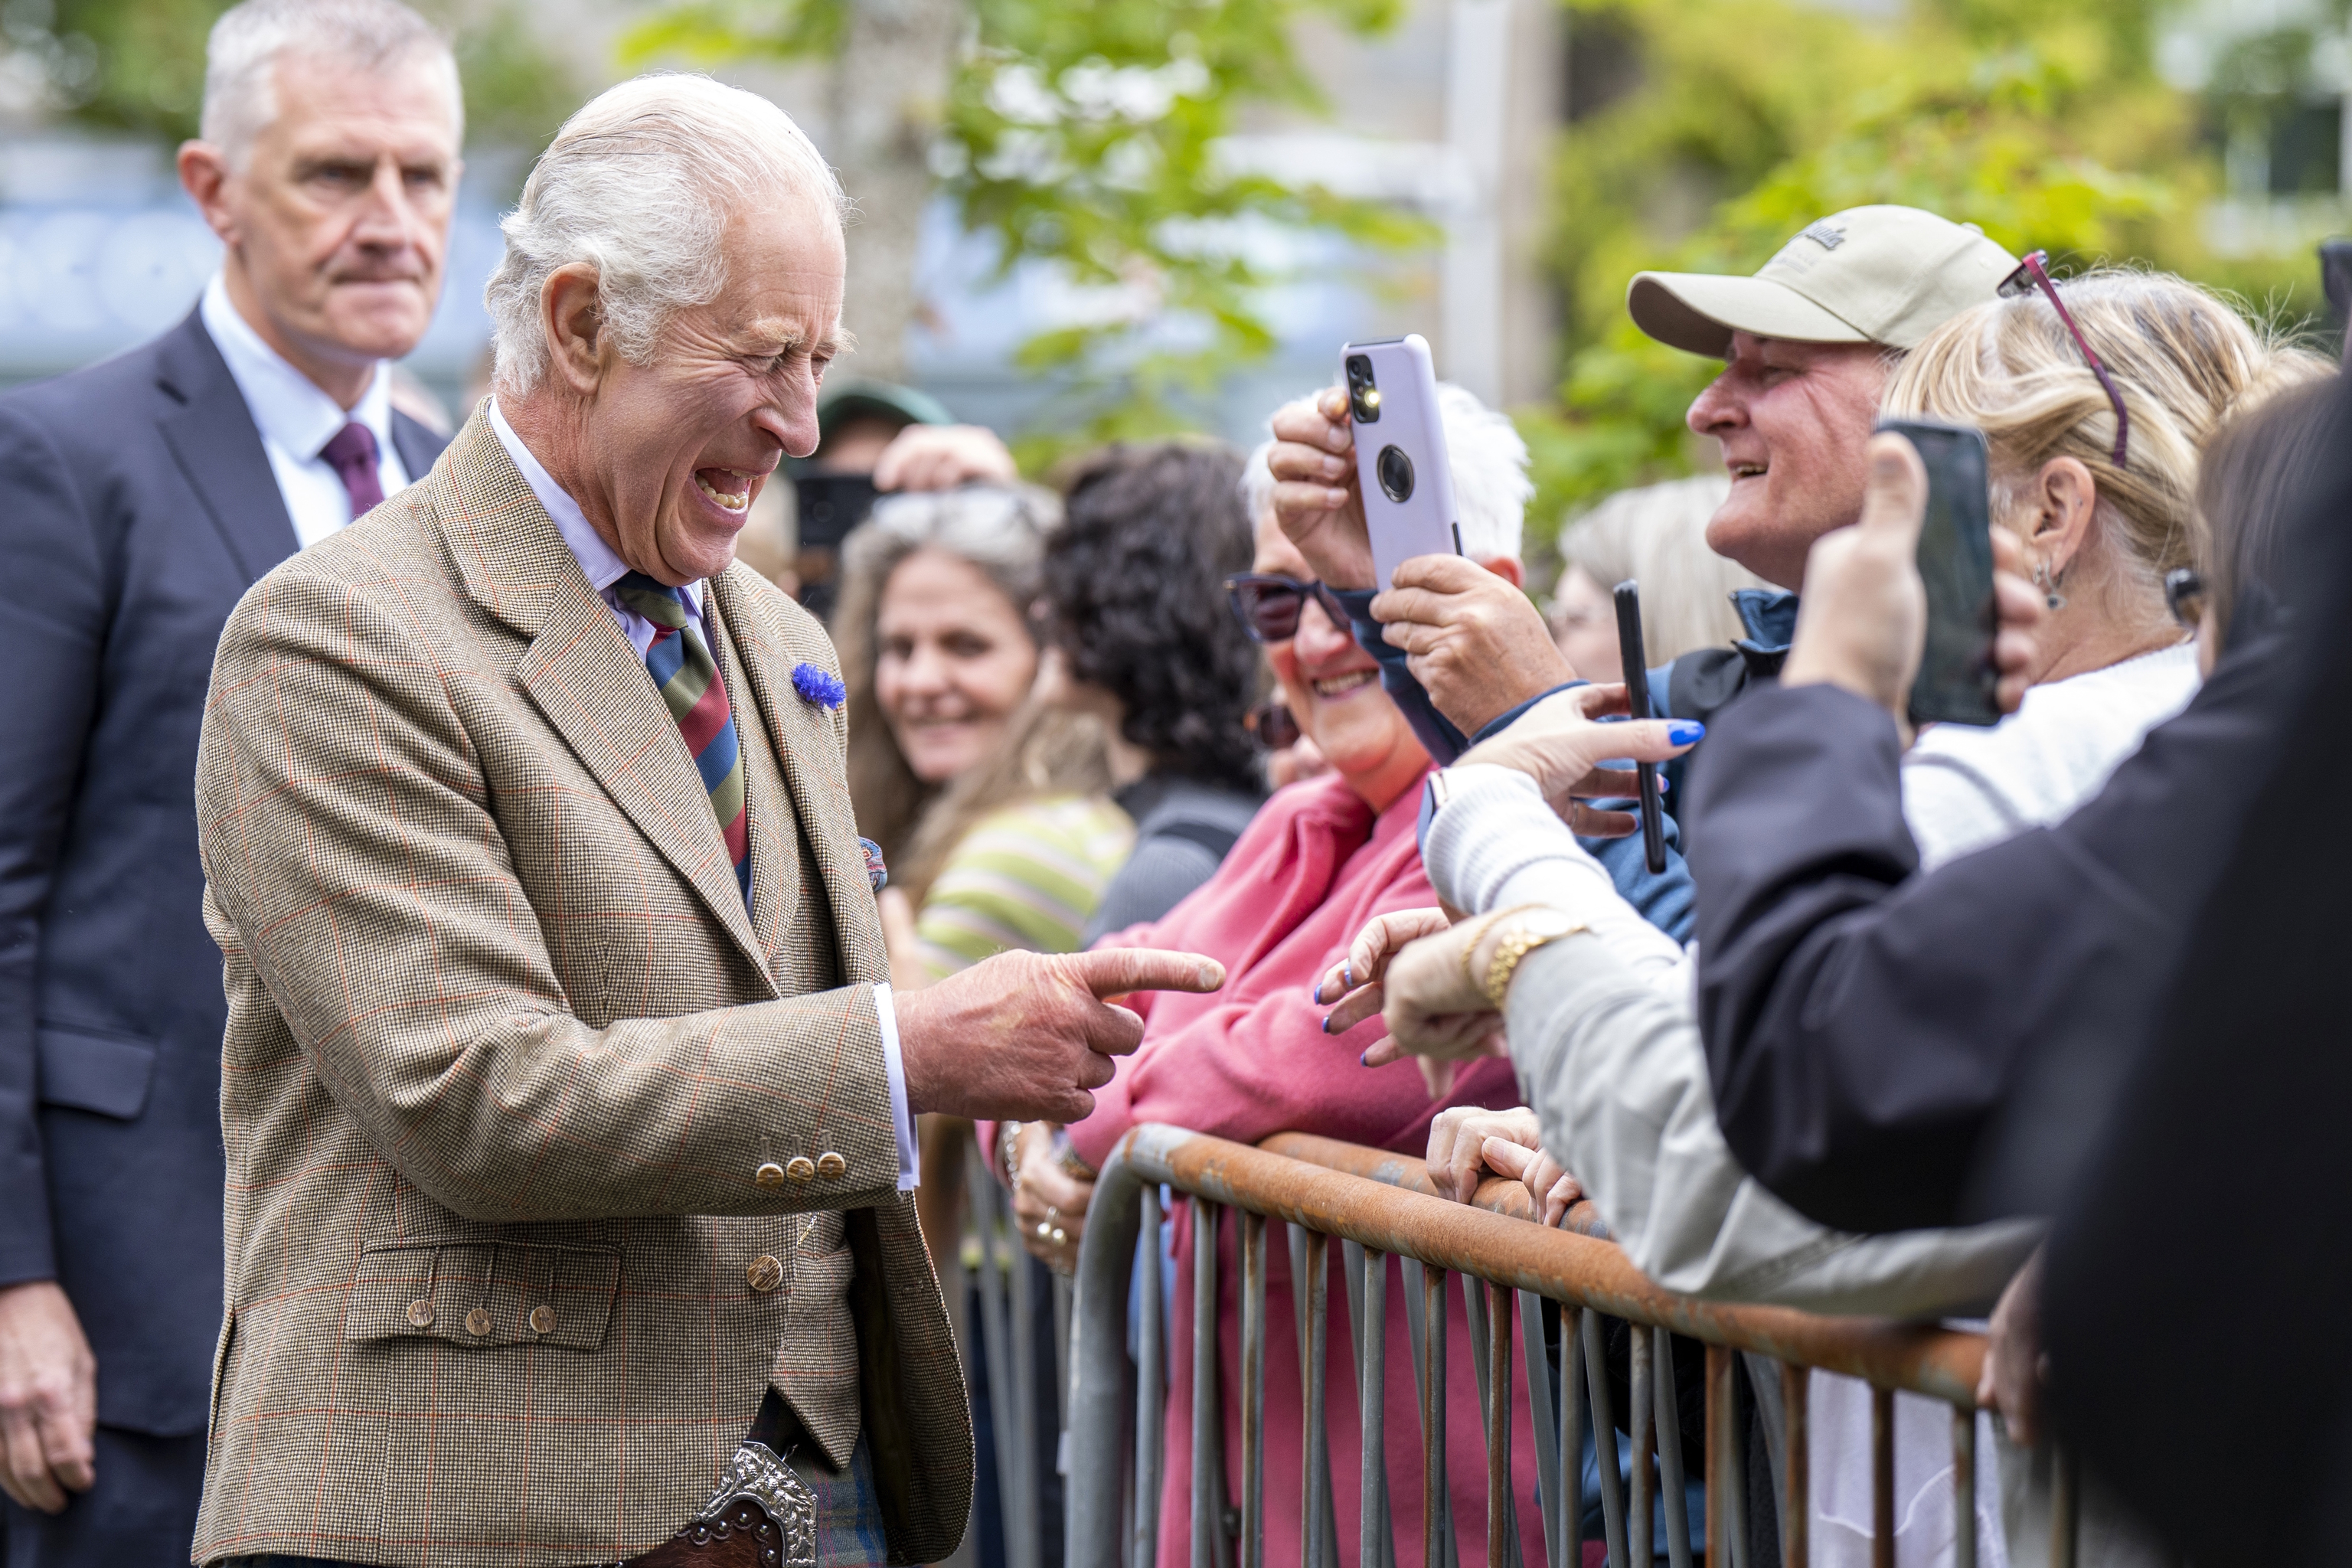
(138, 64)
(1088, 136)
(2045, 125)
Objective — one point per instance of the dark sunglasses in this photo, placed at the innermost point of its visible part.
(2184, 595)
(2034, 273)
(1269, 603)
(1270, 725)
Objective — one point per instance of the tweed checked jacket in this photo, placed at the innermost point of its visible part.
(507, 1056)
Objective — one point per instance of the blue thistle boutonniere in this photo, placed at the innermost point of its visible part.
(818, 685)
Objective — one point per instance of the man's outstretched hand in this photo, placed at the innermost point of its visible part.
(1314, 496)
(1027, 1036)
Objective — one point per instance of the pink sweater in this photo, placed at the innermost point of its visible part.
(1251, 1060)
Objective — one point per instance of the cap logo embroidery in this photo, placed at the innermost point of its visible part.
(1823, 233)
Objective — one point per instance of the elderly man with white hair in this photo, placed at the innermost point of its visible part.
(569, 1115)
(139, 497)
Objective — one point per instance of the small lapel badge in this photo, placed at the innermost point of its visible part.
(818, 685)
(876, 873)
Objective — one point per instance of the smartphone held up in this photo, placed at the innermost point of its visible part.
(1957, 679)
(1400, 467)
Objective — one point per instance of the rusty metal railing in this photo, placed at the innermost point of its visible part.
(1379, 1205)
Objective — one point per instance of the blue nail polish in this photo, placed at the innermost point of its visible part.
(1682, 731)
(1361, 1055)
(1347, 977)
(1326, 1025)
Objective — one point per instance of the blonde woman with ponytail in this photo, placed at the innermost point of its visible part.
(2099, 533)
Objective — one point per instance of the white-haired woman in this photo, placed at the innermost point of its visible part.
(1656, 535)
(2102, 507)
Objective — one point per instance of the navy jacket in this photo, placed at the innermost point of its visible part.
(136, 507)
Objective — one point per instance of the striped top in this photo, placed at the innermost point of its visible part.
(1027, 876)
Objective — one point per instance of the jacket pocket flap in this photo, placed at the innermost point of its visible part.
(484, 1296)
(86, 1070)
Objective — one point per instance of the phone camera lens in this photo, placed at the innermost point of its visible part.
(1396, 470)
(1363, 392)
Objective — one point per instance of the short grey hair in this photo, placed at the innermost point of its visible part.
(1483, 453)
(1656, 535)
(639, 184)
(240, 57)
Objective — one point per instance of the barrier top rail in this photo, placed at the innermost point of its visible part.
(1302, 1179)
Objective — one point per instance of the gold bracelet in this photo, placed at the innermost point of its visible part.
(1516, 944)
(1484, 923)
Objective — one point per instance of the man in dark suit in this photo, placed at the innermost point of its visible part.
(142, 498)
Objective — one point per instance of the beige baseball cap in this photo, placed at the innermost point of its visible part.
(1867, 275)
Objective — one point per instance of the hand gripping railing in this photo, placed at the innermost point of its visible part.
(1368, 1199)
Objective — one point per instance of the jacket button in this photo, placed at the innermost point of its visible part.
(542, 1319)
(477, 1322)
(770, 1175)
(802, 1168)
(765, 1273)
(831, 1167)
(420, 1313)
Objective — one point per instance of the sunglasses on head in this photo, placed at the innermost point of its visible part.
(2033, 273)
(1267, 603)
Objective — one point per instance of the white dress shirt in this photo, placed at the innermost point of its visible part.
(606, 568)
(296, 419)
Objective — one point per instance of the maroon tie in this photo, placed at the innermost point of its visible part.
(351, 454)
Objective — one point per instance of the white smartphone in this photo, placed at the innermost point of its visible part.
(1401, 464)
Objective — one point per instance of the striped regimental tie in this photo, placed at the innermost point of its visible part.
(689, 681)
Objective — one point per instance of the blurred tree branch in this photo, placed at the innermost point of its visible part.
(2047, 126)
(1087, 137)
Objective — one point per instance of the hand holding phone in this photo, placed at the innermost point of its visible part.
(1636, 659)
(1400, 464)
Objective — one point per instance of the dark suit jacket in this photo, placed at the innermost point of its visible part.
(136, 507)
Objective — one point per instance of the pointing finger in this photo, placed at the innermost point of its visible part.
(1117, 970)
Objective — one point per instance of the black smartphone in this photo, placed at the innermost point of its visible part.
(1957, 679)
(1636, 660)
(829, 506)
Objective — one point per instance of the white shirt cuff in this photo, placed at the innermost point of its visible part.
(902, 1122)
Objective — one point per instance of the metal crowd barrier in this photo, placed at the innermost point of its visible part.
(1379, 1205)
(1006, 1288)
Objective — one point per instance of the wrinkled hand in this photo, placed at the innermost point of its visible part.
(1315, 494)
(941, 456)
(1477, 644)
(1560, 745)
(1023, 1036)
(1863, 623)
(1549, 1186)
(1434, 1012)
(1354, 983)
(1049, 1201)
(48, 1397)
(2015, 1369)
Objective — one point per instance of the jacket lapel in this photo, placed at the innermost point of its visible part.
(417, 444)
(211, 435)
(581, 670)
(809, 753)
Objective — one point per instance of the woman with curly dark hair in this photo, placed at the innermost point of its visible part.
(1135, 612)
